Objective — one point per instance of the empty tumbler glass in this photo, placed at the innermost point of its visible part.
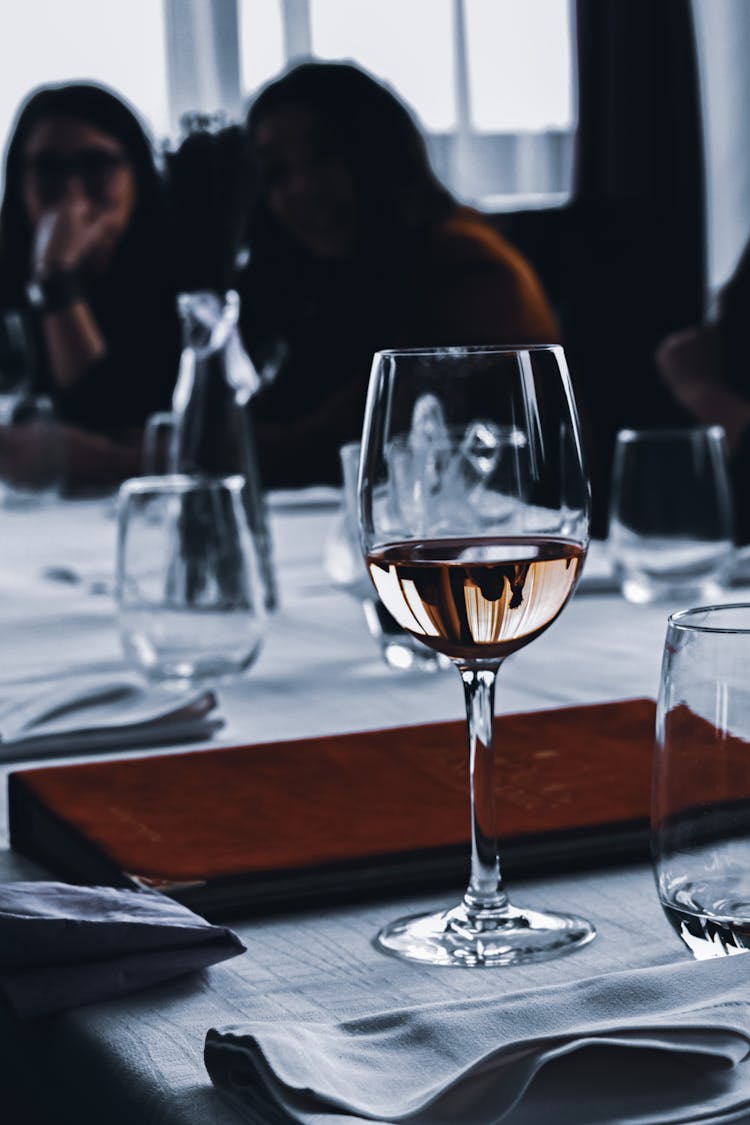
(32, 457)
(670, 529)
(189, 602)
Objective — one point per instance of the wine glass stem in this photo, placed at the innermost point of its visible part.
(485, 891)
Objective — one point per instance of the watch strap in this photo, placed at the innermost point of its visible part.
(56, 292)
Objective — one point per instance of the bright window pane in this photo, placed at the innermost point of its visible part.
(120, 45)
(520, 65)
(408, 43)
(261, 42)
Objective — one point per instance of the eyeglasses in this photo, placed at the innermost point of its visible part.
(95, 167)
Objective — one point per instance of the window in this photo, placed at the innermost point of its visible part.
(261, 40)
(118, 45)
(519, 63)
(490, 81)
(408, 44)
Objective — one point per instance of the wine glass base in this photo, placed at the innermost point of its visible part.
(461, 938)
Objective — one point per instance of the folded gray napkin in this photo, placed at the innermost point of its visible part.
(95, 713)
(685, 1027)
(63, 945)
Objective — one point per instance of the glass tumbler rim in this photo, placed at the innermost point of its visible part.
(678, 620)
(468, 349)
(628, 435)
(180, 483)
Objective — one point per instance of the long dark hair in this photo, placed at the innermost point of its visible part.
(374, 134)
(400, 202)
(103, 109)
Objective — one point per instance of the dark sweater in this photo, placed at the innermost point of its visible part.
(464, 284)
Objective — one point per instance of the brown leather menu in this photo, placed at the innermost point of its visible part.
(247, 826)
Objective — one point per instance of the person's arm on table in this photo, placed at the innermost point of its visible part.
(690, 363)
(41, 451)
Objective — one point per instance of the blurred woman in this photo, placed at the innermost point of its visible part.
(85, 256)
(705, 367)
(355, 246)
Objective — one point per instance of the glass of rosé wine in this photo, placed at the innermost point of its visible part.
(474, 522)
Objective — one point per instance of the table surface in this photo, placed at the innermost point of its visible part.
(140, 1059)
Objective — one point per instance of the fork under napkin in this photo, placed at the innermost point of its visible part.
(63, 945)
(665, 1044)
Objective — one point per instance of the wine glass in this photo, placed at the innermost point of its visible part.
(475, 553)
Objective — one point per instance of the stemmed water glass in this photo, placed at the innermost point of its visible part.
(475, 551)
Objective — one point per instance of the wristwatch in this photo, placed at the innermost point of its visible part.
(56, 291)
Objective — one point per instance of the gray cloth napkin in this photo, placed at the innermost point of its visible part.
(650, 1045)
(95, 713)
(63, 945)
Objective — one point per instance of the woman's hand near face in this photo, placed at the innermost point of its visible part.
(79, 193)
(69, 235)
(66, 237)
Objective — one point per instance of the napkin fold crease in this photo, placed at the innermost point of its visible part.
(473, 1061)
(93, 713)
(63, 945)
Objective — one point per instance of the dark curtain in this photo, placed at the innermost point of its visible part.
(625, 260)
(637, 223)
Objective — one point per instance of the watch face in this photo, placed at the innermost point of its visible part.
(35, 294)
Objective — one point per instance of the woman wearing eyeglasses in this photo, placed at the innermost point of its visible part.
(85, 257)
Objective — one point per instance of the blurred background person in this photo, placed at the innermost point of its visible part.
(355, 246)
(706, 369)
(86, 258)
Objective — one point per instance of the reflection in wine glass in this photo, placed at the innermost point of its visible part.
(474, 544)
(345, 566)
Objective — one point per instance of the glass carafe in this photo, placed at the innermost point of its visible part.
(213, 433)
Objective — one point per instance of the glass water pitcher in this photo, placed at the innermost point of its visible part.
(213, 433)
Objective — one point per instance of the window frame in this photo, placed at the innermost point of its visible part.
(499, 171)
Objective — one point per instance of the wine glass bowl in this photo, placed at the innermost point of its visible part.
(474, 513)
(345, 566)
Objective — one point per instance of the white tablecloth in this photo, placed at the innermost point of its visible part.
(141, 1059)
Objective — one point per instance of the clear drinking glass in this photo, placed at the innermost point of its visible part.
(158, 440)
(670, 528)
(189, 604)
(701, 790)
(475, 553)
(32, 451)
